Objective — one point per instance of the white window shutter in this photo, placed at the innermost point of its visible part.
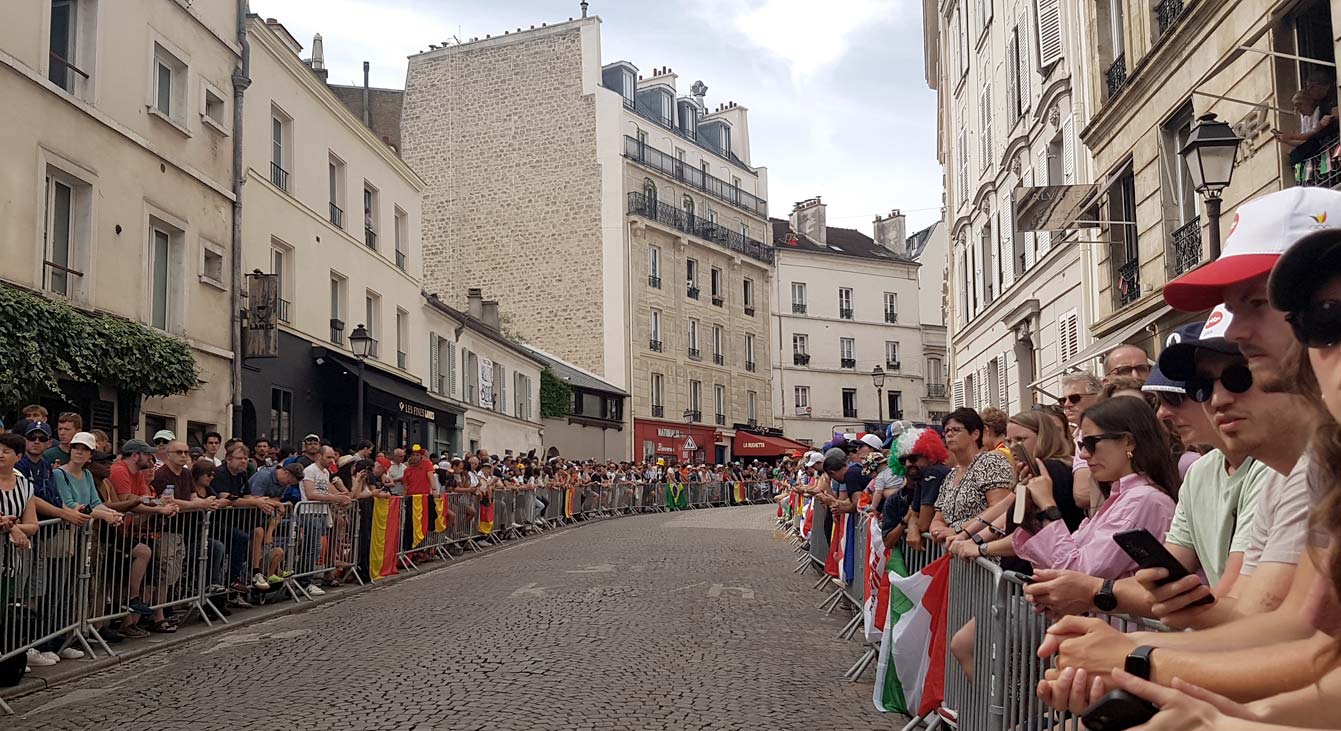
(1026, 72)
(1073, 333)
(501, 378)
(980, 385)
(1007, 241)
(1001, 382)
(1049, 14)
(957, 394)
(433, 365)
(1042, 239)
(1012, 79)
(451, 369)
(1068, 153)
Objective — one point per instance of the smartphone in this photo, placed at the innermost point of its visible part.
(1022, 457)
(1117, 711)
(1149, 553)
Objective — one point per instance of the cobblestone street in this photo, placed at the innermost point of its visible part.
(681, 621)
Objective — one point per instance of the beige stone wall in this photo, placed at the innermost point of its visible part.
(505, 138)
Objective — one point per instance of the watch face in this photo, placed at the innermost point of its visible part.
(1105, 602)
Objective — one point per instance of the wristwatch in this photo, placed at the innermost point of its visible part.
(982, 550)
(1104, 599)
(1138, 662)
(1049, 513)
(978, 539)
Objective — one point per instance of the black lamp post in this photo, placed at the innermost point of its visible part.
(360, 341)
(878, 378)
(1209, 154)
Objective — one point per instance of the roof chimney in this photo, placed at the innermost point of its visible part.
(367, 113)
(475, 303)
(808, 218)
(318, 53)
(490, 313)
(584, 8)
(891, 232)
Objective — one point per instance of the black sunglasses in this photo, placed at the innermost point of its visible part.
(38, 438)
(1090, 443)
(1171, 399)
(908, 459)
(1073, 399)
(1319, 325)
(1236, 379)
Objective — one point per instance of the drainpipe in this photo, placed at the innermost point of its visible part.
(241, 80)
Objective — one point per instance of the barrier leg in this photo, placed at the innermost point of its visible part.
(851, 627)
(862, 664)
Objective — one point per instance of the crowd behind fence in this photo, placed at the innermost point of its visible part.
(74, 581)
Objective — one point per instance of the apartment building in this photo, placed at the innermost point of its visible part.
(619, 221)
(1010, 77)
(1159, 68)
(849, 353)
(117, 191)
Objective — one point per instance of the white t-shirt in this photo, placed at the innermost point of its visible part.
(320, 484)
(1280, 523)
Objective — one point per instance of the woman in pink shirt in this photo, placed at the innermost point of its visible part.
(1129, 458)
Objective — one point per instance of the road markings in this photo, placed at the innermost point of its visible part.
(530, 590)
(716, 591)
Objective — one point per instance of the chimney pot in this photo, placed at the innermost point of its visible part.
(489, 312)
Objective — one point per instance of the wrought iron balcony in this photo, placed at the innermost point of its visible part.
(695, 354)
(1127, 283)
(283, 313)
(718, 300)
(693, 415)
(749, 366)
(798, 308)
(1186, 251)
(893, 365)
(749, 311)
(1116, 76)
(801, 359)
(654, 346)
(658, 410)
(370, 237)
(644, 154)
(279, 176)
(337, 331)
(718, 359)
(1167, 13)
(849, 413)
(1320, 171)
(654, 282)
(891, 317)
(401, 359)
(845, 313)
(337, 216)
(847, 362)
(692, 291)
(400, 260)
(935, 390)
(720, 419)
(668, 215)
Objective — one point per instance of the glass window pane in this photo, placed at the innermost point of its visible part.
(61, 198)
(159, 309)
(165, 89)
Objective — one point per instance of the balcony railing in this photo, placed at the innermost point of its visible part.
(719, 419)
(279, 176)
(718, 300)
(373, 350)
(891, 317)
(658, 411)
(644, 154)
(935, 390)
(668, 215)
(749, 366)
(800, 359)
(718, 359)
(337, 216)
(401, 359)
(283, 313)
(400, 260)
(654, 282)
(370, 237)
(749, 311)
(337, 331)
(1186, 247)
(893, 365)
(849, 413)
(1323, 170)
(845, 313)
(695, 354)
(1116, 76)
(654, 346)
(1127, 283)
(692, 291)
(798, 308)
(803, 411)
(1167, 13)
(847, 362)
(694, 415)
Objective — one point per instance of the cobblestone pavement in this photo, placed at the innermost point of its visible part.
(679, 621)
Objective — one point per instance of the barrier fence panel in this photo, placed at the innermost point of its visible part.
(554, 511)
(1021, 667)
(178, 572)
(243, 544)
(42, 599)
(819, 542)
(974, 596)
(918, 559)
(322, 537)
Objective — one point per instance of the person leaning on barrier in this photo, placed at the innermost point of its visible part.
(18, 511)
(76, 485)
(981, 479)
(921, 453)
(1272, 652)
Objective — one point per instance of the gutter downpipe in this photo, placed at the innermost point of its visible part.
(241, 80)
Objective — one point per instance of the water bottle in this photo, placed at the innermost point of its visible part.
(167, 492)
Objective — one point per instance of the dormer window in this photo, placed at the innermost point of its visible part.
(667, 108)
(627, 84)
(726, 139)
(688, 119)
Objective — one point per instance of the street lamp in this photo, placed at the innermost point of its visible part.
(878, 377)
(360, 341)
(1209, 154)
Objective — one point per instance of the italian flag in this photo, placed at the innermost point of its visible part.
(875, 608)
(910, 672)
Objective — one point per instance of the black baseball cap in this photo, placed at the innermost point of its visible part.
(1303, 268)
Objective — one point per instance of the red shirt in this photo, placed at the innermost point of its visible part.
(418, 478)
(127, 483)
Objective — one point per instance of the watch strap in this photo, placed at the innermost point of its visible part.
(977, 539)
(1138, 662)
(1050, 513)
(982, 550)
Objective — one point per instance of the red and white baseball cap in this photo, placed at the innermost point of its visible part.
(1263, 229)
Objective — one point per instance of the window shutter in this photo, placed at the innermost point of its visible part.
(1068, 153)
(451, 369)
(1026, 70)
(1012, 78)
(1049, 14)
(1073, 333)
(1001, 382)
(1042, 238)
(433, 366)
(981, 386)
(985, 114)
(957, 394)
(501, 398)
(1007, 238)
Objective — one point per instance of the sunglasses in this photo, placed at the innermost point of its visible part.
(38, 438)
(1319, 325)
(1074, 399)
(1236, 379)
(1090, 443)
(1131, 370)
(1170, 399)
(908, 459)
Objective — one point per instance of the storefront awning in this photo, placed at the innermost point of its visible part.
(411, 398)
(1099, 347)
(1062, 208)
(757, 445)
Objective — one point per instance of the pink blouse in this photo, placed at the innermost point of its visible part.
(1133, 504)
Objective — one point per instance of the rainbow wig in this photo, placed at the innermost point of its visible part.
(925, 442)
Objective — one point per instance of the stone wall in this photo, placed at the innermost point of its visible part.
(506, 140)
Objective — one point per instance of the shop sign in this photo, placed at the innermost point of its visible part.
(416, 410)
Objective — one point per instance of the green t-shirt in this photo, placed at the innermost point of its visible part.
(55, 454)
(1215, 510)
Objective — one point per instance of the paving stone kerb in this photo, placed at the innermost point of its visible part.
(671, 621)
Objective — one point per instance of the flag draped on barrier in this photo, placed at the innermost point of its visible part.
(419, 517)
(876, 599)
(440, 518)
(677, 498)
(486, 517)
(842, 561)
(385, 530)
(569, 499)
(910, 672)
(738, 492)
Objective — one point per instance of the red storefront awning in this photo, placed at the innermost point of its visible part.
(756, 445)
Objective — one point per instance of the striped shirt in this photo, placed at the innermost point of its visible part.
(13, 501)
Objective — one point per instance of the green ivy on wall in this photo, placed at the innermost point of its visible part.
(44, 340)
(556, 396)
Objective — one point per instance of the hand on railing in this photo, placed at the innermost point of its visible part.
(1089, 644)
(18, 537)
(107, 515)
(913, 538)
(965, 549)
(1185, 707)
(1070, 690)
(1059, 593)
(75, 516)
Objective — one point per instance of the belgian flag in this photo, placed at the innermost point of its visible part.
(385, 537)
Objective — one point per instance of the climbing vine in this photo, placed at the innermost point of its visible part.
(556, 396)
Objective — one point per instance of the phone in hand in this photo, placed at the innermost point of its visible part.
(1149, 553)
(1022, 457)
(1116, 711)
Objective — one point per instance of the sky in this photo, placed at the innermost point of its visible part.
(837, 98)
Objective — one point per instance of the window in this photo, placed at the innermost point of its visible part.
(985, 148)
(693, 339)
(849, 403)
(442, 365)
(984, 14)
(164, 274)
(747, 295)
(801, 397)
(961, 40)
(892, 355)
(70, 58)
(279, 266)
(1015, 92)
(169, 91)
(657, 395)
(715, 279)
(891, 307)
(718, 355)
(402, 337)
(654, 267)
(687, 203)
(799, 298)
(336, 175)
(64, 233)
(337, 308)
(934, 374)
(1126, 253)
(281, 137)
(696, 399)
(656, 327)
(987, 260)
(719, 402)
(372, 315)
(470, 364)
(691, 273)
(847, 352)
(845, 303)
(749, 353)
(281, 416)
(752, 406)
(800, 344)
(894, 402)
(212, 264)
(370, 201)
(402, 224)
(215, 109)
(521, 386)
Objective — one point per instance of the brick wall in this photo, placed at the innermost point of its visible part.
(506, 140)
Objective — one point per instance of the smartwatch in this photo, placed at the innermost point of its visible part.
(1138, 662)
(978, 539)
(1051, 513)
(1105, 600)
(982, 550)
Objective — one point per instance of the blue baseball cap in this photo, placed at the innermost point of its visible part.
(1179, 359)
(28, 426)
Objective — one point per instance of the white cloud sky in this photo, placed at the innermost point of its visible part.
(838, 104)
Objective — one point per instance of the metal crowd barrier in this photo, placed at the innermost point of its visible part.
(322, 537)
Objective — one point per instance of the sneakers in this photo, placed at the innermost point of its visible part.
(138, 606)
(275, 579)
(259, 583)
(213, 589)
(41, 659)
(133, 632)
(286, 574)
(240, 602)
(70, 653)
(111, 636)
(315, 590)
